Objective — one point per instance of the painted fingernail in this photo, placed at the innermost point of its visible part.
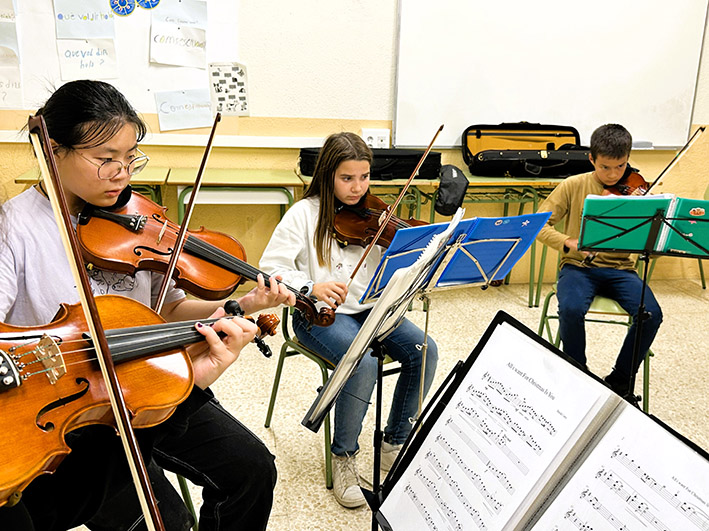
(199, 325)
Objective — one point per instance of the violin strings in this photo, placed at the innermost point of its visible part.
(226, 260)
(182, 332)
(398, 223)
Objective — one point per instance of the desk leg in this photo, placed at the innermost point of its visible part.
(188, 190)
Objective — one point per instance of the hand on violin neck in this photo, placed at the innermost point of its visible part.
(331, 293)
(266, 296)
(213, 356)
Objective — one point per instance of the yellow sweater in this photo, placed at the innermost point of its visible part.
(566, 204)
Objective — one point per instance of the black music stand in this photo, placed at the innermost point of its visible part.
(384, 317)
(460, 254)
(650, 226)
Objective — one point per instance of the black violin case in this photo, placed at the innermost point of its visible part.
(388, 164)
(524, 149)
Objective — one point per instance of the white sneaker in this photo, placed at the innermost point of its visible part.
(389, 454)
(345, 481)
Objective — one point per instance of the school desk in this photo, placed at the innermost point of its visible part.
(221, 186)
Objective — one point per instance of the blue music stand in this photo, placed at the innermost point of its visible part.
(479, 251)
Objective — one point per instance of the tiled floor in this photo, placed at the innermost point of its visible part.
(679, 383)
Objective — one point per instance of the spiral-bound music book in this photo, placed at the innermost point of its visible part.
(521, 438)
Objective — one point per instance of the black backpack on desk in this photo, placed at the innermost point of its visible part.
(388, 164)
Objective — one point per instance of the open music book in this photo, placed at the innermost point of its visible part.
(523, 439)
(623, 223)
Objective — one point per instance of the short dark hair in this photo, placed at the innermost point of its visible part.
(612, 141)
(87, 113)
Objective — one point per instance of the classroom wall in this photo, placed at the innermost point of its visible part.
(321, 67)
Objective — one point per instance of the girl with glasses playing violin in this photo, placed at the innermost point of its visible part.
(94, 134)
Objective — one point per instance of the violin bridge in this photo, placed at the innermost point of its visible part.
(162, 233)
(51, 358)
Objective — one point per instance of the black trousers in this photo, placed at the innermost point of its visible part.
(236, 471)
(209, 447)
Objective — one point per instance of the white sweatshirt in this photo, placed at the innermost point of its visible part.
(291, 253)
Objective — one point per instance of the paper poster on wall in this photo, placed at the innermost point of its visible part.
(9, 49)
(87, 59)
(7, 10)
(229, 89)
(88, 19)
(183, 109)
(10, 88)
(178, 34)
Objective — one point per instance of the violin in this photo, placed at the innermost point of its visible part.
(135, 234)
(631, 183)
(51, 382)
(357, 225)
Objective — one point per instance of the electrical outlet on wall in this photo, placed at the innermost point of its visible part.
(376, 138)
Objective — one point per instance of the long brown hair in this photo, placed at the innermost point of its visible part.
(337, 149)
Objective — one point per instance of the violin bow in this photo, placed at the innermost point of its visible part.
(383, 223)
(182, 233)
(39, 137)
(679, 155)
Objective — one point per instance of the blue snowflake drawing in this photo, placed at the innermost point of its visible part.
(122, 7)
(148, 4)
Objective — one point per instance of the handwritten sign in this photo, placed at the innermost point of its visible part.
(82, 59)
(10, 88)
(183, 109)
(9, 49)
(178, 34)
(88, 19)
(229, 89)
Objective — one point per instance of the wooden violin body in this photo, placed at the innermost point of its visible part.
(631, 183)
(139, 236)
(357, 226)
(52, 384)
(136, 235)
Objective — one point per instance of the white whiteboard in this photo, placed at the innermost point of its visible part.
(138, 79)
(583, 64)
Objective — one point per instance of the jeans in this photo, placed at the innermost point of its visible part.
(576, 288)
(402, 345)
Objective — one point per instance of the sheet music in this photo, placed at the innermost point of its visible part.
(517, 410)
(639, 477)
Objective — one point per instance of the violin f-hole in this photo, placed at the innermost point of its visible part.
(49, 426)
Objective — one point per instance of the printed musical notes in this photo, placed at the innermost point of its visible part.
(526, 441)
(496, 439)
(637, 477)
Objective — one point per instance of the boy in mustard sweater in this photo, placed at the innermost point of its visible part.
(583, 276)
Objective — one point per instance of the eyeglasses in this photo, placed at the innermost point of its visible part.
(109, 169)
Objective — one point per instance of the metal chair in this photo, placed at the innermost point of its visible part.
(187, 497)
(614, 314)
(291, 347)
